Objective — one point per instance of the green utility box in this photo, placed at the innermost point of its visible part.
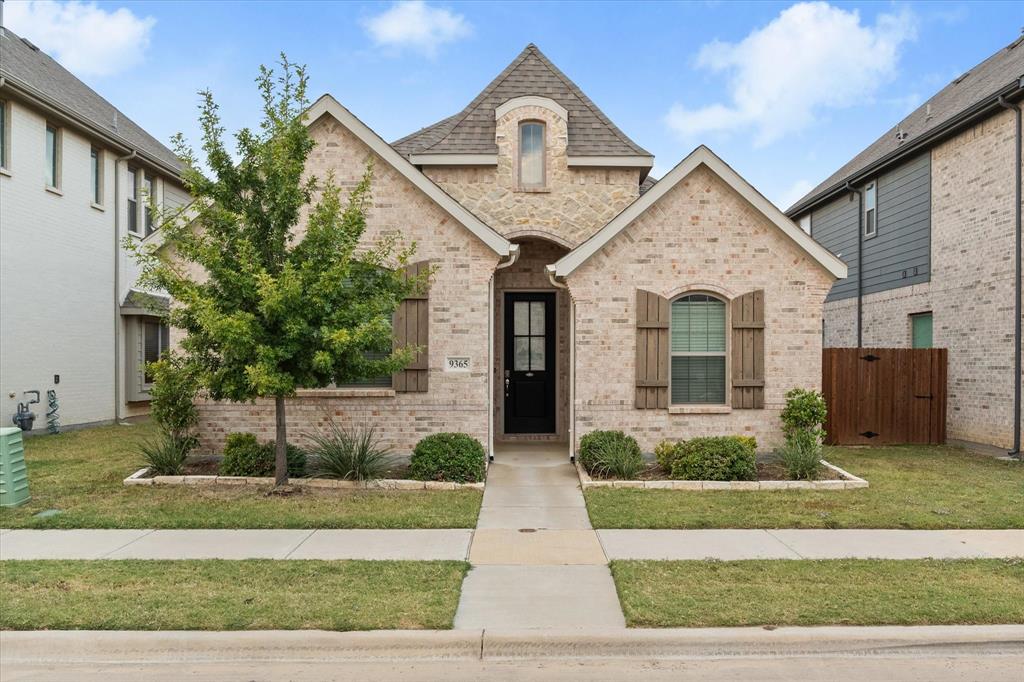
(13, 475)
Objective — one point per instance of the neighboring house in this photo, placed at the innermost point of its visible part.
(926, 218)
(571, 291)
(74, 177)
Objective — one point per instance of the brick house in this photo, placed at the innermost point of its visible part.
(572, 292)
(927, 219)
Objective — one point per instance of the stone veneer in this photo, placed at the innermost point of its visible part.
(700, 236)
(970, 294)
(575, 204)
(458, 318)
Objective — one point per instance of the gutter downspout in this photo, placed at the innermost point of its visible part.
(117, 283)
(571, 417)
(1016, 286)
(860, 263)
(513, 256)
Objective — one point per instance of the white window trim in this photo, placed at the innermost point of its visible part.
(100, 190)
(871, 187)
(543, 185)
(701, 408)
(58, 157)
(5, 157)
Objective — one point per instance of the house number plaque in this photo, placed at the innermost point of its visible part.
(457, 364)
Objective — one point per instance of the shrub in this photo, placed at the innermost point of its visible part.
(616, 458)
(665, 453)
(595, 443)
(165, 454)
(353, 454)
(245, 456)
(802, 421)
(448, 457)
(719, 458)
(801, 455)
(172, 398)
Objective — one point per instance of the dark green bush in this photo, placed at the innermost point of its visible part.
(448, 457)
(719, 458)
(165, 454)
(245, 456)
(804, 411)
(596, 446)
(353, 454)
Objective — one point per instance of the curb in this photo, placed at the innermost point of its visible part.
(847, 481)
(320, 646)
(141, 477)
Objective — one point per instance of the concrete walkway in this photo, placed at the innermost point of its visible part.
(537, 563)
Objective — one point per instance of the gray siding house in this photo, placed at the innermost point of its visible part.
(927, 219)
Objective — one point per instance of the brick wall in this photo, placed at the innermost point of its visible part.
(701, 236)
(458, 318)
(971, 290)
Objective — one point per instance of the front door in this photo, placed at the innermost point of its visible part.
(529, 376)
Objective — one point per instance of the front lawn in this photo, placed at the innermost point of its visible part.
(229, 595)
(911, 487)
(80, 473)
(666, 594)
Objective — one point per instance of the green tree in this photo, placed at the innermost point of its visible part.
(265, 310)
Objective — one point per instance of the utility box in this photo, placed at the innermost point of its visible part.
(13, 474)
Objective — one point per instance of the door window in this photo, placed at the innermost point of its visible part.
(528, 336)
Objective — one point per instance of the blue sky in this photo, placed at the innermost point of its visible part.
(784, 92)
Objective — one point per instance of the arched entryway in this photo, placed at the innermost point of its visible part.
(531, 347)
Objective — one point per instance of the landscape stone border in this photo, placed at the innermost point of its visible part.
(141, 477)
(848, 482)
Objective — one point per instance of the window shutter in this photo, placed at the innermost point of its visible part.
(652, 315)
(748, 351)
(411, 325)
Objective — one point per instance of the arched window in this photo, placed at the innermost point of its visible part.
(698, 350)
(531, 154)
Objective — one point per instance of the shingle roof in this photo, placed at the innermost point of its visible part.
(23, 62)
(472, 130)
(648, 182)
(980, 83)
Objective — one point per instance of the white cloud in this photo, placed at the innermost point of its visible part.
(812, 57)
(795, 192)
(414, 25)
(86, 39)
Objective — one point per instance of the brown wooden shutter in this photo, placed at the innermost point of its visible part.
(652, 314)
(411, 326)
(748, 351)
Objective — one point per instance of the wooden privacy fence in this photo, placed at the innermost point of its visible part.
(881, 396)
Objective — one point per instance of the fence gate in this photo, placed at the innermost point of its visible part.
(881, 396)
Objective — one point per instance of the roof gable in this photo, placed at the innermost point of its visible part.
(983, 82)
(327, 105)
(472, 130)
(700, 156)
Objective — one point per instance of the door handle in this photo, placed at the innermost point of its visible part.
(506, 386)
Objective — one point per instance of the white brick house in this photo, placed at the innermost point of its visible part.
(572, 292)
(928, 219)
(74, 173)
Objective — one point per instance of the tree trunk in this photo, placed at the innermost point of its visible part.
(281, 444)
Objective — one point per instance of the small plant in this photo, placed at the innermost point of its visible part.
(801, 455)
(165, 454)
(803, 418)
(350, 454)
(617, 459)
(595, 443)
(718, 458)
(245, 456)
(172, 398)
(448, 457)
(665, 454)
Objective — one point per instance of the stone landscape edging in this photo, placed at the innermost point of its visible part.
(848, 482)
(140, 477)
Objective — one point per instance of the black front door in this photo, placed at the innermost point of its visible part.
(529, 376)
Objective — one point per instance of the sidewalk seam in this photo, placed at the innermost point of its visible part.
(130, 542)
(295, 549)
(783, 543)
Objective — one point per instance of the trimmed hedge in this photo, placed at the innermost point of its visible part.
(448, 457)
(719, 458)
(598, 448)
(245, 456)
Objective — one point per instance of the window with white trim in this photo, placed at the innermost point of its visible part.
(697, 348)
(149, 196)
(53, 140)
(132, 193)
(5, 132)
(870, 212)
(531, 154)
(96, 175)
(156, 338)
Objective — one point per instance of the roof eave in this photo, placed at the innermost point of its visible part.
(964, 119)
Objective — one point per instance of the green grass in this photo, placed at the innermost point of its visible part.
(81, 473)
(229, 595)
(911, 487)
(835, 592)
